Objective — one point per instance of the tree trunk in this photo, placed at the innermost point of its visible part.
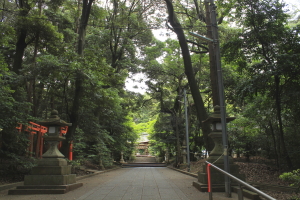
(74, 115)
(275, 144)
(281, 132)
(36, 46)
(20, 48)
(21, 42)
(201, 112)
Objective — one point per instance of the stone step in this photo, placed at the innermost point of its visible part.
(148, 159)
(36, 191)
(44, 189)
(143, 165)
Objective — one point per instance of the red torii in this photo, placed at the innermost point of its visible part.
(34, 128)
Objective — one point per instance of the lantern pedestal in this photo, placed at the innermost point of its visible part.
(216, 157)
(53, 174)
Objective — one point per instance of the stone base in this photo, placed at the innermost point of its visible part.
(182, 166)
(204, 187)
(44, 189)
(52, 162)
(51, 170)
(221, 188)
(216, 176)
(50, 179)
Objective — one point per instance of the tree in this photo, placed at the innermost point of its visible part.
(201, 111)
(260, 51)
(79, 77)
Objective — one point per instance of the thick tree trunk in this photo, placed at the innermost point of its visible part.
(20, 48)
(74, 115)
(21, 42)
(201, 112)
(281, 132)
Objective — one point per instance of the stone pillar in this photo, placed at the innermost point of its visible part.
(122, 158)
(184, 164)
(167, 156)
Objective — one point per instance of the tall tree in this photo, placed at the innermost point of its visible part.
(260, 49)
(79, 75)
(189, 71)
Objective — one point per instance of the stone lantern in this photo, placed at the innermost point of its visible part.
(122, 157)
(215, 120)
(216, 156)
(53, 174)
(54, 123)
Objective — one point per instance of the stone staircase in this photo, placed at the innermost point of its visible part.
(144, 161)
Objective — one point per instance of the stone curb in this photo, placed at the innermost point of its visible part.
(96, 173)
(184, 172)
(12, 185)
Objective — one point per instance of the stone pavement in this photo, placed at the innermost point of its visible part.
(145, 183)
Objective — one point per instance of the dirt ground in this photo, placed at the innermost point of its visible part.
(261, 171)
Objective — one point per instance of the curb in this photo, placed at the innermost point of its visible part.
(184, 172)
(96, 173)
(12, 185)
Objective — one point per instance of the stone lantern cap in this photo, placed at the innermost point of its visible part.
(54, 120)
(216, 116)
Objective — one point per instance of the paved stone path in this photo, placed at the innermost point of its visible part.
(145, 183)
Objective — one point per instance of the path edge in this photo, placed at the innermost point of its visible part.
(12, 185)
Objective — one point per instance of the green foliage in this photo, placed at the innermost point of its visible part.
(144, 127)
(119, 42)
(293, 177)
(263, 51)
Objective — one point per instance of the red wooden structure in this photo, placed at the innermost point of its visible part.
(35, 136)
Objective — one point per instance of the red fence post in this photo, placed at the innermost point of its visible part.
(71, 150)
(209, 181)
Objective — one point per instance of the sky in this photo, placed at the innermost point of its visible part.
(132, 83)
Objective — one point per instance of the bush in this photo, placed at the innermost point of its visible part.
(293, 177)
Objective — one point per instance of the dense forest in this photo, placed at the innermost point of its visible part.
(74, 56)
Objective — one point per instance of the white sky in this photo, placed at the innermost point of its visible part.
(132, 82)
